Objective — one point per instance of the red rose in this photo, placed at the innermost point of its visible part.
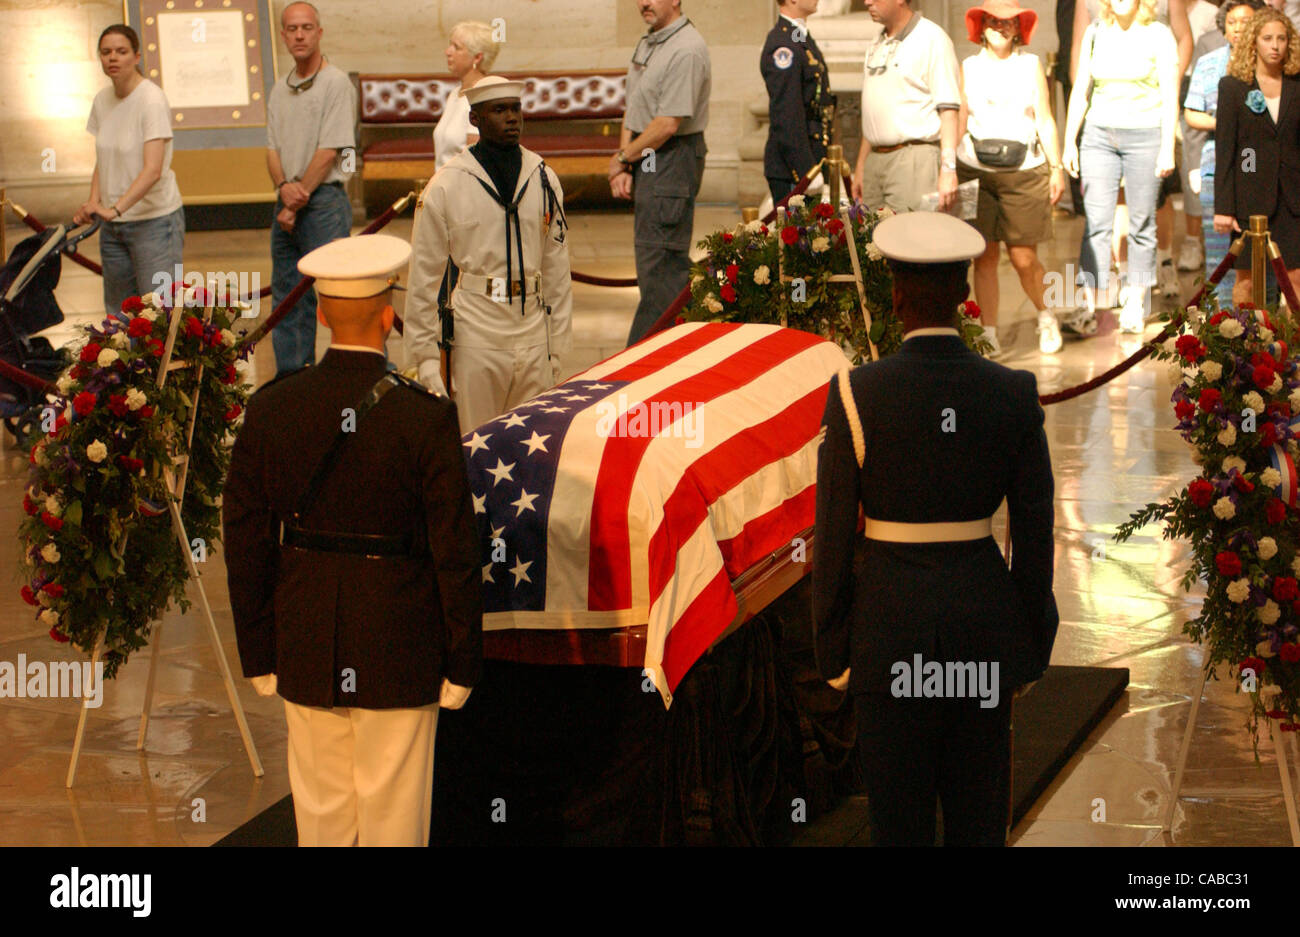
(233, 412)
(193, 327)
(84, 403)
(1286, 589)
(733, 270)
(1189, 348)
(155, 347)
(214, 339)
(1228, 563)
(1201, 492)
(129, 465)
(52, 589)
(727, 237)
(1263, 376)
(28, 506)
(1252, 663)
(1267, 434)
(764, 232)
(1185, 409)
(60, 421)
(139, 328)
(90, 353)
(835, 226)
(29, 596)
(1243, 483)
(970, 309)
(57, 636)
(1289, 653)
(1209, 399)
(728, 292)
(132, 304)
(117, 405)
(789, 234)
(1218, 317)
(50, 521)
(1263, 357)
(230, 376)
(1275, 510)
(146, 411)
(77, 372)
(824, 210)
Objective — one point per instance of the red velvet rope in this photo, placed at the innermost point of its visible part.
(23, 377)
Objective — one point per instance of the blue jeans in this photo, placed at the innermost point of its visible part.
(134, 253)
(1107, 155)
(1216, 245)
(326, 217)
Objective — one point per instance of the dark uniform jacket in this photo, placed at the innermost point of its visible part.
(944, 601)
(798, 88)
(400, 623)
(1243, 188)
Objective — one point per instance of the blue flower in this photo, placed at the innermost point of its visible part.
(1255, 101)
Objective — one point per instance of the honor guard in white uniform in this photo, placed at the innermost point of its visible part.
(496, 211)
(352, 562)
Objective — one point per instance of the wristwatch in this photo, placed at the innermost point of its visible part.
(622, 159)
(949, 165)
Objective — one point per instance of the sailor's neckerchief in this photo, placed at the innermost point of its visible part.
(503, 162)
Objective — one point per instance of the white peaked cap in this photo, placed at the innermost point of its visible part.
(927, 237)
(492, 88)
(356, 267)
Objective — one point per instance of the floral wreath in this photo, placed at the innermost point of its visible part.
(738, 281)
(1237, 401)
(101, 556)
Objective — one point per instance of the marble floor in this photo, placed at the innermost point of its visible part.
(1113, 450)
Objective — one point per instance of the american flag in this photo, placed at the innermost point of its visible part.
(636, 491)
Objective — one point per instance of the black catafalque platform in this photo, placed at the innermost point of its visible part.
(756, 749)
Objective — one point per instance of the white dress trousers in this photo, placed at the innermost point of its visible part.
(361, 777)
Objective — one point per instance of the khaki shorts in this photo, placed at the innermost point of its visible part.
(1014, 207)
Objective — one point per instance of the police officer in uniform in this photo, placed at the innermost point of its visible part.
(351, 557)
(799, 99)
(928, 442)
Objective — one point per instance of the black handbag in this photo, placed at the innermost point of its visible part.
(1000, 154)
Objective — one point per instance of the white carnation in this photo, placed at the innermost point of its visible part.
(1276, 385)
(1268, 612)
(1254, 401)
(1228, 435)
(754, 227)
(1175, 372)
(1267, 548)
(885, 212)
(873, 251)
(1238, 590)
(1294, 400)
(1224, 509)
(763, 275)
(64, 384)
(38, 453)
(795, 203)
(50, 553)
(135, 399)
(149, 315)
(1234, 462)
(97, 451)
(53, 505)
(49, 616)
(1171, 345)
(1212, 370)
(712, 304)
(1266, 334)
(697, 280)
(1265, 648)
(1230, 328)
(1295, 565)
(228, 338)
(1270, 477)
(107, 357)
(119, 339)
(820, 245)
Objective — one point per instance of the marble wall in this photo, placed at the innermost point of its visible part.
(49, 71)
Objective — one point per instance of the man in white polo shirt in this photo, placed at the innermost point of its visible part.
(910, 99)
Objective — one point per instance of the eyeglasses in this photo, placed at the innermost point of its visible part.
(302, 86)
(892, 46)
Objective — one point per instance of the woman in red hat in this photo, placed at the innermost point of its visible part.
(1008, 142)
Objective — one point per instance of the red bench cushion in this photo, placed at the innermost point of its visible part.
(407, 99)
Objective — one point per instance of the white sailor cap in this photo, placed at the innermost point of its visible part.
(927, 237)
(356, 267)
(492, 88)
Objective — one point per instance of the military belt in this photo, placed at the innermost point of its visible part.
(328, 541)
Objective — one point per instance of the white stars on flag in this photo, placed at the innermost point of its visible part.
(536, 442)
(515, 419)
(477, 442)
(525, 502)
(520, 570)
(480, 503)
(501, 472)
(487, 573)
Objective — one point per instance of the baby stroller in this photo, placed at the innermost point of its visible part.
(27, 306)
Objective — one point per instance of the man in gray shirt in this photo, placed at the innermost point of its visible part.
(310, 116)
(660, 161)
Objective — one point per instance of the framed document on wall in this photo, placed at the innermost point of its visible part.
(208, 57)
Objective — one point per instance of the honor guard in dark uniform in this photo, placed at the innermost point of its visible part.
(799, 99)
(917, 613)
(351, 557)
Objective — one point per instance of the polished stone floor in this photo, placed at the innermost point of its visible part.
(1113, 450)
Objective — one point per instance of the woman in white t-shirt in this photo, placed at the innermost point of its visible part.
(132, 188)
(1005, 104)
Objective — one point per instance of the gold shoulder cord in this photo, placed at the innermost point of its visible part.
(851, 414)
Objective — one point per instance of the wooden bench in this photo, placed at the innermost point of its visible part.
(571, 119)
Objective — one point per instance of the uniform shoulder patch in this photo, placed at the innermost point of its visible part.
(415, 385)
(783, 57)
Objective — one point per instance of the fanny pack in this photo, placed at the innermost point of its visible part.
(1001, 154)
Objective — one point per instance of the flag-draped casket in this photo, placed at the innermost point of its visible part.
(635, 492)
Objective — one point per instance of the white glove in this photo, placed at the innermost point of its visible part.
(430, 374)
(555, 368)
(452, 696)
(841, 682)
(264, 684)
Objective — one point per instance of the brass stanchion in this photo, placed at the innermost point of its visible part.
(1258, 259)
(834, 157)
(748, 214)
(4, 219)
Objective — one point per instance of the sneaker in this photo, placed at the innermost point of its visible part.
(1168, 280)
(1132, 315)
(1049, 334)
(1191, 256)
(1079, 322)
